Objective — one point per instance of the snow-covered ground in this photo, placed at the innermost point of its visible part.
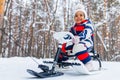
(15, 69)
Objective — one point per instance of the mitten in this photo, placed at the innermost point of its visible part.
(76, 39)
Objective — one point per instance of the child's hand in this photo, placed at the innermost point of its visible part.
(76, 40)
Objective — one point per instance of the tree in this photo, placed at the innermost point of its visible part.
(2, 3)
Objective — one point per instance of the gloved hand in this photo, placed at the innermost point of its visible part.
(76, 40)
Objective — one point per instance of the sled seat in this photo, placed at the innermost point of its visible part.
(93, 53)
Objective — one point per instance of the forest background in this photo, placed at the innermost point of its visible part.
(27, 26)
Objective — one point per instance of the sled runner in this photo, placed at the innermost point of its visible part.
(44, 74)
(78, 66)
(75, 65)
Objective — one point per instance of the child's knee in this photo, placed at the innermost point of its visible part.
(79, 48)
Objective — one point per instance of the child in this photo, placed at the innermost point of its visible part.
(83, 41)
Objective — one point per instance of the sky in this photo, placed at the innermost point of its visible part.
(14, 68)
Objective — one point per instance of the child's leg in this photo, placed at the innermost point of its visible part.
(81, 53)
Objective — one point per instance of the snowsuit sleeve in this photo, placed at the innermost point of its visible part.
(87, 32)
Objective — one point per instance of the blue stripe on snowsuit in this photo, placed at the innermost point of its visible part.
(70, 47)
(86, 60)
(88, 41)
(88, 27)
(81, 52)
(83, 35)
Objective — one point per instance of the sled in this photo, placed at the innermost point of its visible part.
(63, 37)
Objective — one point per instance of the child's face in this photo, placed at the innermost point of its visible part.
(79, 16)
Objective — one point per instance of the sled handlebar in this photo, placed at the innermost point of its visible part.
(63, 37)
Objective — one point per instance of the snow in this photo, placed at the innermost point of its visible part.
(15, 69)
